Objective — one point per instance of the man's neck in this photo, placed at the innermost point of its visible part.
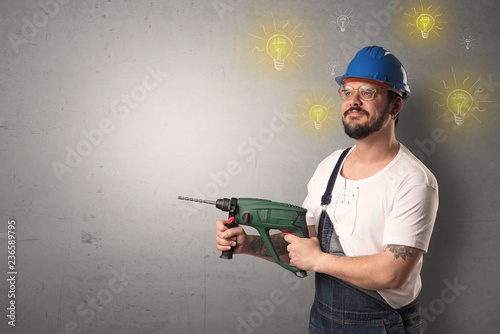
(376, 150)
(369, 157)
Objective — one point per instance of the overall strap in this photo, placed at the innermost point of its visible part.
(327, 232)
(327, 197)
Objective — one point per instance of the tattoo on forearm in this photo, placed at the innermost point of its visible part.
(258, 247)
(400, 251)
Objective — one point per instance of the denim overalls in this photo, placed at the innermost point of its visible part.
(340, 307)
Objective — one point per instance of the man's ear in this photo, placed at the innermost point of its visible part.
(397, 105)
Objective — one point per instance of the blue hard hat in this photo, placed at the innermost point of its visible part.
(376, 63)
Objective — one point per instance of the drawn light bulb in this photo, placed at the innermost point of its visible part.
(333, 68)
(459, 103)
(425, 23)
(279, 48)
(343, 22)
(468, 43)
(318, 114)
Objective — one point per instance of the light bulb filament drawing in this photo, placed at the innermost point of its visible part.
(318, 114)
(425, 23)
(459, 103)
(343, 22)
(468, 43)
(279, 48)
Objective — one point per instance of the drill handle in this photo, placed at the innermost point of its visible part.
(264, 233)
(228, 255)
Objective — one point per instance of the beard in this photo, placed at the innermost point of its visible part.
(361, 131)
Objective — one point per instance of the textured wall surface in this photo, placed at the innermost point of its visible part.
(113, 108)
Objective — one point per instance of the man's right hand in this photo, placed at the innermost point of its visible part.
(228, 238)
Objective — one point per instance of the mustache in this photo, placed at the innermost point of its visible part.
(358, 109)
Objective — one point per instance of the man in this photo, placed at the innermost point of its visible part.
(372, 224)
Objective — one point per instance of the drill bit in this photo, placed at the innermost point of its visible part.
(196, 200)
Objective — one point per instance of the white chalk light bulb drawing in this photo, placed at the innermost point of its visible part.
(279, 48)
(343, 22)
(468, 43)
(459, 102)
(318, 114)
(425, 23)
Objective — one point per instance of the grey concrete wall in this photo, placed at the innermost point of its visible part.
(111, 109)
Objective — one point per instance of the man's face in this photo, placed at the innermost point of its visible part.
(361, 118)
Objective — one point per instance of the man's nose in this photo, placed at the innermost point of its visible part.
(355, 99)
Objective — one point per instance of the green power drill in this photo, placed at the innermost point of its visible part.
(263, 215)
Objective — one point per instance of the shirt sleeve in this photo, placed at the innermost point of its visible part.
(311, 204)
(412, 218)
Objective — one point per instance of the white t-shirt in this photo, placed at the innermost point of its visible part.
(396, 206)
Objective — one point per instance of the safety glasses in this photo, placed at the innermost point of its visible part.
(366, 92)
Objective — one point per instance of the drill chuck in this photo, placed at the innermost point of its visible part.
(223, 204)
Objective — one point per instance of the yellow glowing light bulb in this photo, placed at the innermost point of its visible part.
(425, 23)
(318, 114)
(459, 103)
(279, 48)
(343, 21)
